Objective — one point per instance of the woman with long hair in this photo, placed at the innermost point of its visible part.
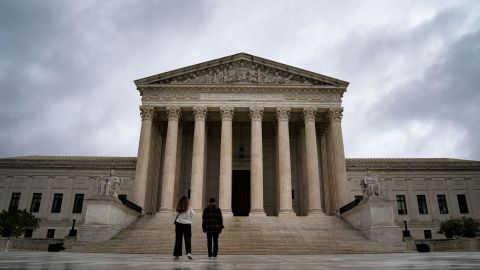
(183, 228)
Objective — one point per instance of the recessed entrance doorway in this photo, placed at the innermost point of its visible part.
(240, 192)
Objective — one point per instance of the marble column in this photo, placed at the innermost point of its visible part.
(338, 167)
(225, 185)
(284, 166)
(313, 176)
(141, 172)
(198, 158)
(170, 161)
(256, 163)
(327, 193)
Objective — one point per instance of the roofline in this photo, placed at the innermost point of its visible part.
(233, 57)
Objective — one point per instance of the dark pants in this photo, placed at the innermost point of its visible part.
(212, 236)
(185, 231)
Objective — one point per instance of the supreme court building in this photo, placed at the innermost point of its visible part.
(251, 132)
(262, 137)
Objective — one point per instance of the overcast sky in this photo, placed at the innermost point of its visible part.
(67, 67)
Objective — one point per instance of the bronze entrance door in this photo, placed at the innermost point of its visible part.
(240, 192)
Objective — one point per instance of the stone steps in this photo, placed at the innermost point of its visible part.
(245, 235)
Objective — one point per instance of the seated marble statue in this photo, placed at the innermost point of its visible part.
(370, 185)
(109, 186)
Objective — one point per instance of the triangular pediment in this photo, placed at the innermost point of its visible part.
(241, 68)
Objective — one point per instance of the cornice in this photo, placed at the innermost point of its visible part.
(68, 162)
(402, 164)
(239, 88)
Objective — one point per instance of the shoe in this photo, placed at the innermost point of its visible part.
(175, 258)
(190, 256)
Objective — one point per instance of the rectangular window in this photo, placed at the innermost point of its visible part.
(401, 205)
(422, 204)
(57, 202)
(442, 204)
(51, 233)
(15, 200)
(28, 233)
(78, 204)
(427, 234)
(36, 199)
(462, 203)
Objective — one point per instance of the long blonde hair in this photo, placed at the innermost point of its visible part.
(182, 205)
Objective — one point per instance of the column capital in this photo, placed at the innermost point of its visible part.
(283, 113)
(309, 113)
(256, 113)
(200, 113)
(335, 114)
(147, 112)
(226, 112)
(173, 112)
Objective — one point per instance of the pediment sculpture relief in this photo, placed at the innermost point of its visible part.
(242, 72)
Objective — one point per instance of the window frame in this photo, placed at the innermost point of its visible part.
(402, 201)
(50, 234)
(442, 201)
(422, 201)
(57, 203)
(36, 202)
(462, 205)
(14, 201)
(78, 203)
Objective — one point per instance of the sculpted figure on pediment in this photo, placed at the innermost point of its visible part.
(241, 72)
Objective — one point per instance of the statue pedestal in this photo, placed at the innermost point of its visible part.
(104, 218)
(374, 218)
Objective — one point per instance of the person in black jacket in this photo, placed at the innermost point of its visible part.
(212, 225)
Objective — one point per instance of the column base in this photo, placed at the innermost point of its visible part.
(315, 212)
(257, 213)
(165, 211)
(286, 213)
(227, 212)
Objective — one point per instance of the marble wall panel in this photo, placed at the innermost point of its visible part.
(438, 183)
(40, 182)
(60, 182)
(82, 182)
(457, 183)
(418, 184)
(4, 181)
(19, 181)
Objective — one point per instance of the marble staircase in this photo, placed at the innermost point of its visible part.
(245, 235)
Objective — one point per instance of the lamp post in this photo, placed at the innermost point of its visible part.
(73, 232)
(406, 232)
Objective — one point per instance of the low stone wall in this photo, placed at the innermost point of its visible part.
(465, 244)
(25, 244)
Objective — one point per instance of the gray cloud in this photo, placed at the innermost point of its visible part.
(67, 68)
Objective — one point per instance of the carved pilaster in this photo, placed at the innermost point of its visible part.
(283, 113)
(309, 113)
(256, 113)
(335, 114)
(226, 113)
(147, 112)
(173, 112)
(200, 113)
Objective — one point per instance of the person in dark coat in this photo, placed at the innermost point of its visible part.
(212, 225)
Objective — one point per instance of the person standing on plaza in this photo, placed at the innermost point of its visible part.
(183, 228)
(212, 225)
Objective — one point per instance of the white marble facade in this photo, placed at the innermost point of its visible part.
(262, 137)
